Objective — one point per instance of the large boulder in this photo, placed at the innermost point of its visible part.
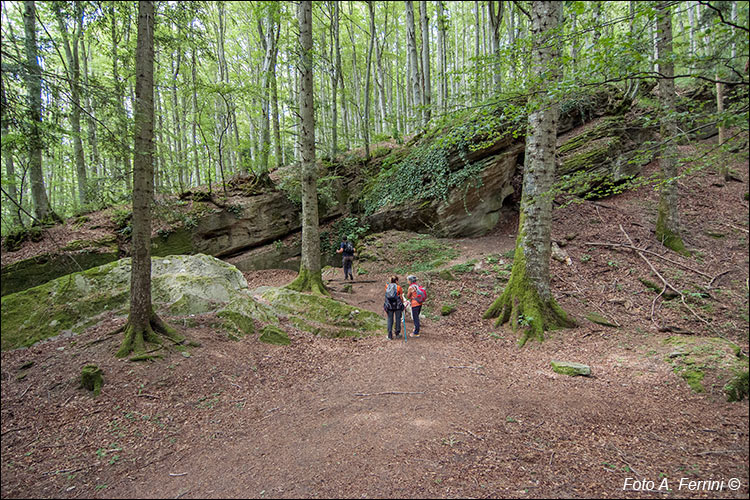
(182, 285)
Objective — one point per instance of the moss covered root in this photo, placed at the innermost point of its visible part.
(308, 281)
(521, 306)
(136, 338)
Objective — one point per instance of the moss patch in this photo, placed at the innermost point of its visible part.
(599, 319)
(447, 309)
(91, 379)
(708, 362)
(274, 335)
(570, 368)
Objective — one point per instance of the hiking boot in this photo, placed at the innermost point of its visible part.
(390, 337)
(398, 335)
(415, 335)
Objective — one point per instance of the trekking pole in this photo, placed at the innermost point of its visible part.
(403, 328)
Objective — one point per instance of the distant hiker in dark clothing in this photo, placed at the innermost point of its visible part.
(394, 306)
(417, 295)
(347, 248)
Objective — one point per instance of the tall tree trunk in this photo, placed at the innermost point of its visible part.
(411, 47)
(33, 77)
(496, 20)
(336, 57)
(74, 76)
(309, 278)
(668, 230)
(368, 79)
(275, 100)
(477, 54)
(94, 160)
(181, 173)
(443, 76)
(10, 188)
(527, 301)
(193, 75)
(143, 324)
(268, 39)
(426, 74)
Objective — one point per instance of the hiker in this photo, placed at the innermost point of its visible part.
(347, 248)
(417, 296)
(394, 306)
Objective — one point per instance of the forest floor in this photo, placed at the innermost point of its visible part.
(461, 411)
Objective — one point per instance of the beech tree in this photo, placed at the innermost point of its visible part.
(143, 323)
(527, 301)
(309, 277)
(33, 77)
(668, 218)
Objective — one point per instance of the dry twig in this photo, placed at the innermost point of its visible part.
(385, 393)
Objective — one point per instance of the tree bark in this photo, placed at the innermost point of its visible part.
(74, 76)
(426, 73)
(336, 57)
(527, 302)
(442, 74)
(94, 160)
(143, 323)
(668, 230)
(368, 79)
(11, 189)
(496, 20)
(411, 47)
(309, 278)
(33, 77)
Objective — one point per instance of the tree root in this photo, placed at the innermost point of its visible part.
(521, 307)
(136, 338)
(307, 281)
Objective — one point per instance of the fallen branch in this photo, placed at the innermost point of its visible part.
(710, 283)
(736, 227)
(178, 474)
(24, 392)
(666, 284)
(631, 247)
(718, 452)
(15, 429)
(144, 395)
(385, 393)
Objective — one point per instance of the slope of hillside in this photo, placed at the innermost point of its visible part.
(459, 412)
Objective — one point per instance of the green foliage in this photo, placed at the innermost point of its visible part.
(351, 227)
(423, 254)
(425, 174)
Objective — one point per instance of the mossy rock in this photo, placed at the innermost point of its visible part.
(446, 274)
(737, 388)
(600, 320)
(91, 379)
(712, 357)
(570, 368)
(40, 269)
(321, 315)
(181, 285)
(272, 334)
(447, 309)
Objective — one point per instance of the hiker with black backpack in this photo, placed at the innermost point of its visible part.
(347, 248)
(394, 306)
(417, 295)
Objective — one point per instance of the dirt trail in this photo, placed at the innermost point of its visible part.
(446, 415)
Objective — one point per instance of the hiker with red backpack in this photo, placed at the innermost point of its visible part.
(394, 306)
(417, 295)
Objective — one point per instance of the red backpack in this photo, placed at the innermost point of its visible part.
(420, 295)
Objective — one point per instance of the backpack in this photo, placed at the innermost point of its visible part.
(348, 247)
(420, 295)
(392, 300)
